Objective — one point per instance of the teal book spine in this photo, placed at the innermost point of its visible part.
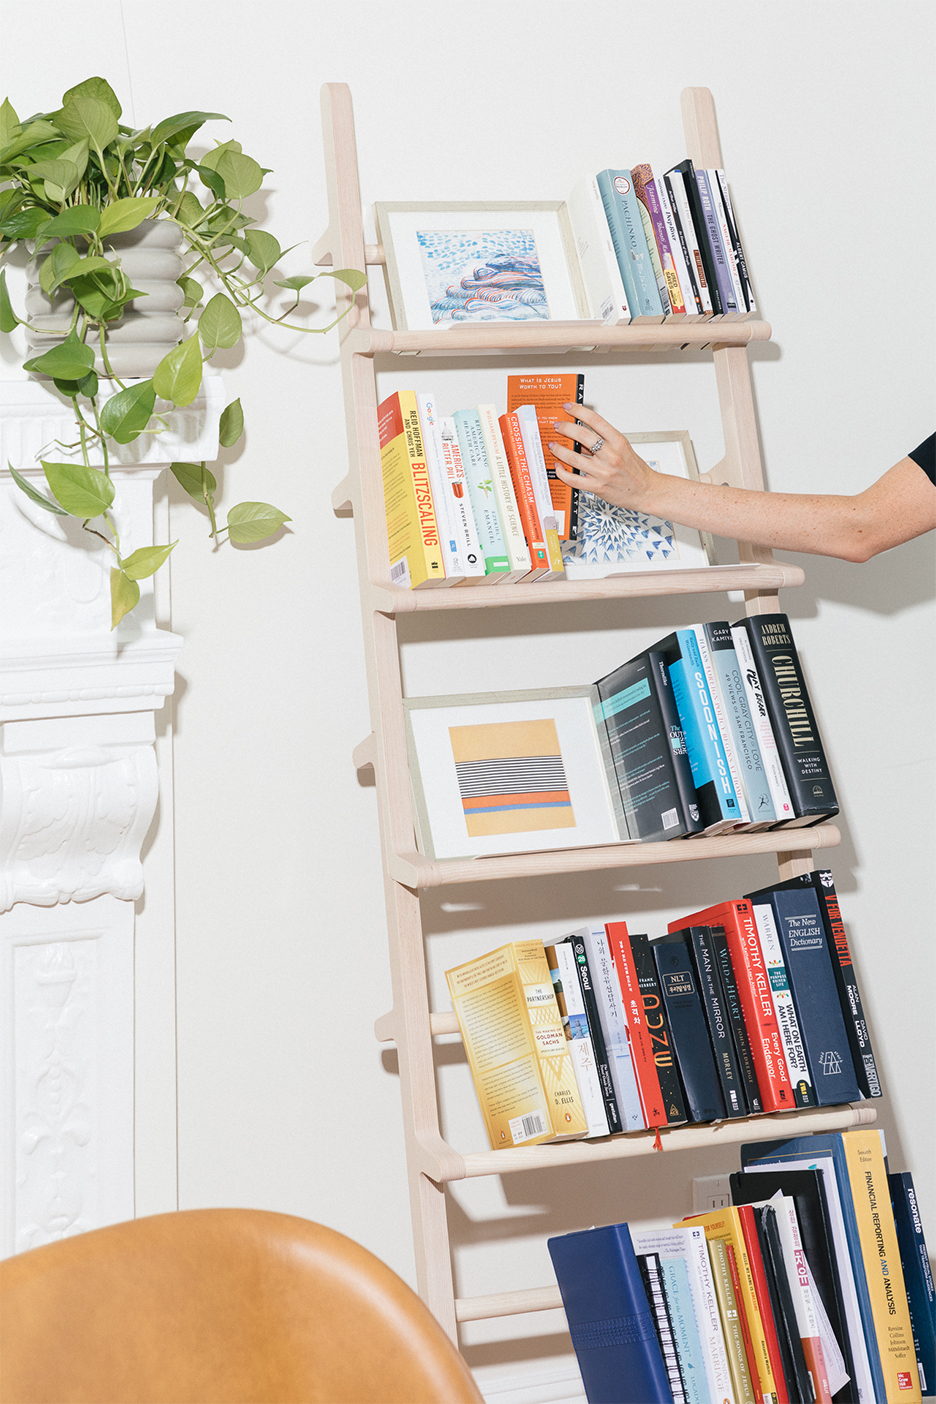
(622, 209)
(711, 773)
(747, 751)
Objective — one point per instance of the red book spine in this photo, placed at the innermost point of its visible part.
(762, 1292)
(648, 1082)
(523, 487)
(744, 946)
(742, 1318)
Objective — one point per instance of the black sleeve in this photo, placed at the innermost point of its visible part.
(925, 456)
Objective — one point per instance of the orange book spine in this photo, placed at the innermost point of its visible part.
(548, 393)
(523, 487)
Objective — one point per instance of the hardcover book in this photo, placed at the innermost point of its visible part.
(679, 984)
(918, 1277)
(648, 1080)
(760, 719)
(548, 393)
(687, 285)
(735, 1017)
(717, 250)
(667, 286)
(686, 171)
(630, 244)
(604, 287)
(651, 1270)
(728, 1310)
(740, 724)
(685, 224)
(603, 1054)
(664, 1057)
(717, 800)
(722, 183)
(701, 948)
(613, 1022)
(412, 529)
(794, 1049)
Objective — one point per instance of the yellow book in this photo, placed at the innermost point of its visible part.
(867, 1176)
(517, 1050)
(725, 1224)
(731, 1323)
(412, 529)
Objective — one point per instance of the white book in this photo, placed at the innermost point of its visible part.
(601, 275)
(679, 258)
(536, 462)
(781, 995)
(721, 716)
(451, 556)
(506, 498)
(581, 1048)
(811, 1318)
(757, 705)
(613, 1019)
(722, 182)
(681, 204)
(459, 501)
(718, 205)
(689, 1244)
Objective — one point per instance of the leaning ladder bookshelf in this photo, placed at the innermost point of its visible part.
(411, 1025)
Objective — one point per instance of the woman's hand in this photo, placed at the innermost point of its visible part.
(615, 472)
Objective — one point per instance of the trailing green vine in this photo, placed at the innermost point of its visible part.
(71, 179)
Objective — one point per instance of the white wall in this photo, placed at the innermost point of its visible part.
(825, 113)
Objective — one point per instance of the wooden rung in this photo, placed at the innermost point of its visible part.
(322, 252)
(416, 871)
(701, 580)
(507, 1303)
(443, 1023)
(640, 1143)
(480, 338)
(365, 752)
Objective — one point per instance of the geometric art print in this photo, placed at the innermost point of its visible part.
(608, 535)
(511, 777)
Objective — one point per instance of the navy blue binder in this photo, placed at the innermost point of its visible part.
(609, 1317)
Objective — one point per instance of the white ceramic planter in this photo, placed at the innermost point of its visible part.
(149, 255)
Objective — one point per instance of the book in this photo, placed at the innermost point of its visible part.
(687, 285)
(682, 214)
(432, 444)
(481, 496)
(791, 715)
(686, 172)
(701, 949)
(743, 735)
(622, 209)
(645, 749)
(604, 287)
(690, 1291)
(522, 480)
(460, 513)
(609, 1317)
(658, 1028)
(651, 1270)
(694, 1056)
(747, 959)
(791, 1356)
(516, 1048)
(412, 530)
(741, 261)
(843, 972)
(719, 254)
(719, 707)
(548, 394)
(726, 233)
(918, 1277)
(529, 430)
(767, 1305)
(504, 495)
(794, 1050)
(603, 1055)
(760, 719)
(667, 282)
(715, 793)
(735, 1016)
(641, 1043)
(613, 1022)
(802, 933)
(561, 960)
(730, 1315)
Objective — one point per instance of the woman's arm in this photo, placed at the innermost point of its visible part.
(898, 507)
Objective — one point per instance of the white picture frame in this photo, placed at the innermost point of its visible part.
(430, 246)
(442, 829)
(618, 541)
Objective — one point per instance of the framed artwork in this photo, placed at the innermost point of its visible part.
(618, 541)
(507, 772)
(500, 261)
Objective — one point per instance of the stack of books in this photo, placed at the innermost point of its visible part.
(808, 1287)
(749, 1007)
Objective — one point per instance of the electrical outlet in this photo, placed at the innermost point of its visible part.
(710, 1192)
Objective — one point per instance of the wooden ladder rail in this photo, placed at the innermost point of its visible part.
(409, 1026)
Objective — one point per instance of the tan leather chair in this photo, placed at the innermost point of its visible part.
(218, 1306)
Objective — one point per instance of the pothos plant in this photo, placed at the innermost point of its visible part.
(73, 177)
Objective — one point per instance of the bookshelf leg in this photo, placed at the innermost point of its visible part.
(433, 1257)
(794, 864)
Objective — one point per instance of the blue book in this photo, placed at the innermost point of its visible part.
(622, 209)
(827, 1152)
(918, 1278)
(609, 1317)
(693, 1048)
(747, 752)
(808, 963)
(685, 1330)
(711, 774)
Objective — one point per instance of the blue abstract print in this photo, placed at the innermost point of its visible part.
(475, 275)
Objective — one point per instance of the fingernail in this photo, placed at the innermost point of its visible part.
(551, 446)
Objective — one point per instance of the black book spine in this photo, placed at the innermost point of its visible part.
(684, 244)
(590, 1001)
(652, 1273)
(736, 1018)
(693, 1050)
(735, 237)
(791, 715)
(661, 1041)
(687, 171)
(682, 769)
(795, 1372)
(719, 1025)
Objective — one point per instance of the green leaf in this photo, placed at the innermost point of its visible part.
(56, 266)
(9, 123)
(8, 318)
(65, 268)
(86, 116)
(297, 282)
(78, 219)
(126, 214)
(24, 224)
(195, 478)
(95, 88)
(352, 276)
(146, 561)
(232, 424)
(71, 360)
(125, 595)
(254, 521)
(194, 292)
(219, 324)
(262, 249)
(88, 385)
(190, 213)
(183, 121)
(32, 135)
(104, 296)
(179, 375)
(59, 177)
(214, 182)
(35, 496)
(83, 492)
(67, 387)
(241, 174)
(125, 415)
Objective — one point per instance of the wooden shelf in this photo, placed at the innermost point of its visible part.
(465, 339)
(416, 871)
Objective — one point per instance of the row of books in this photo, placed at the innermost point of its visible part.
(653, 247)
(813, 1284)
(751, 1006)
(713, 729)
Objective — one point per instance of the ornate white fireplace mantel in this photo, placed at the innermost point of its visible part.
(78, 789)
